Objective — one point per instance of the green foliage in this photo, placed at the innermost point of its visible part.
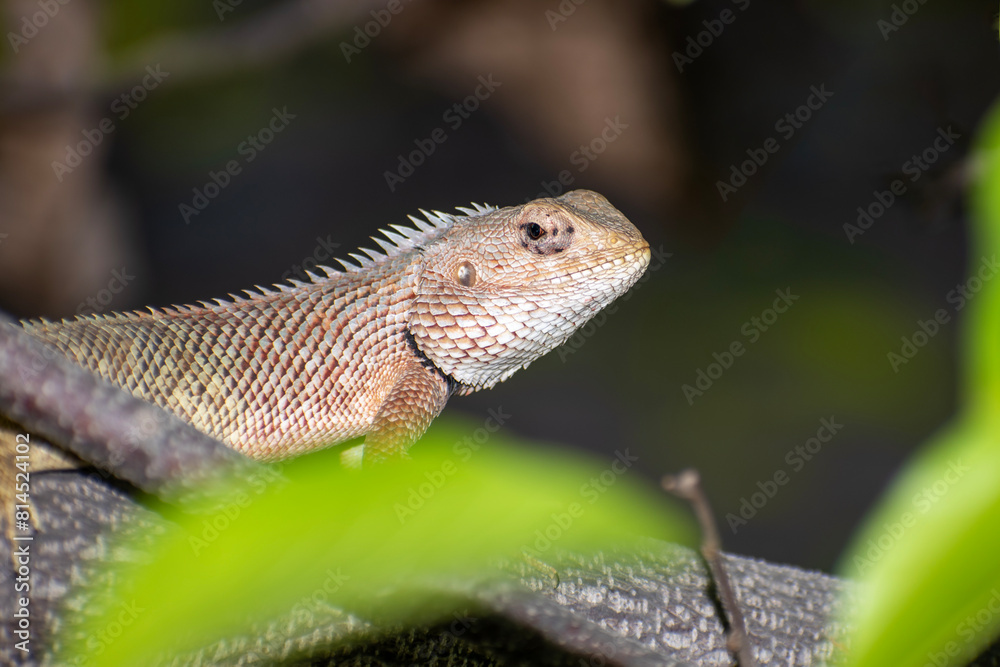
(374, 541)
(927, 558)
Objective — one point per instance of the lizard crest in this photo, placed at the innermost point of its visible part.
(282, 371)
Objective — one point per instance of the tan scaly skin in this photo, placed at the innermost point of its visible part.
(456, 304)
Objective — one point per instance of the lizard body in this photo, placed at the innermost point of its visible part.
(456, 304)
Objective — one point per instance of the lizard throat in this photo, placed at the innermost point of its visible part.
(454, 386)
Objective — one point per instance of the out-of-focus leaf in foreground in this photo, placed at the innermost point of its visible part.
(927, 558)
(384, 532)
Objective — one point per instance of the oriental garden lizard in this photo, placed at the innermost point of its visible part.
(454, 304)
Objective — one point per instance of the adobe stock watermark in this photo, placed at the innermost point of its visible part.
(786, 127)
(364, 34)
(583, 334)
(562, 13)
(921, 503)
(100, 301)
(464, 449)
(971, 628)
(453, 117)
(796, 458)
(35, 362)
(30, 25)
(248, 149)
(582, 157)
(927, 329)
(590, 491)
(149, 422)
(321, 254)
(223, 7)
(333, 582)
(695, 45)
(915, 167)
(98, 641)
(120, 108)
(900, 14)
(213, 526)
(752, 329)
(143, 426)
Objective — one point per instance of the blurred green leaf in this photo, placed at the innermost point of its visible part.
(385, 533)
(927, 558)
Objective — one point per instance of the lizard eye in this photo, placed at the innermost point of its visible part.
(466, 274)
(545, 231)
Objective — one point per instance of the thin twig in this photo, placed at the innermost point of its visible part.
(687, 485)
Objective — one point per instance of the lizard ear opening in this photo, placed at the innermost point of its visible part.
(465, 274)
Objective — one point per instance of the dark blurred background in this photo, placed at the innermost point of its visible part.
(650, 103)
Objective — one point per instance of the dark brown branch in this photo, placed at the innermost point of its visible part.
(55, 399)
(646, 606)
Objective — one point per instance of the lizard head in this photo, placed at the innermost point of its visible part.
(502, 288)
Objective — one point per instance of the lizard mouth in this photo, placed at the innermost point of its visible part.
(647, 254)
(636, 257)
